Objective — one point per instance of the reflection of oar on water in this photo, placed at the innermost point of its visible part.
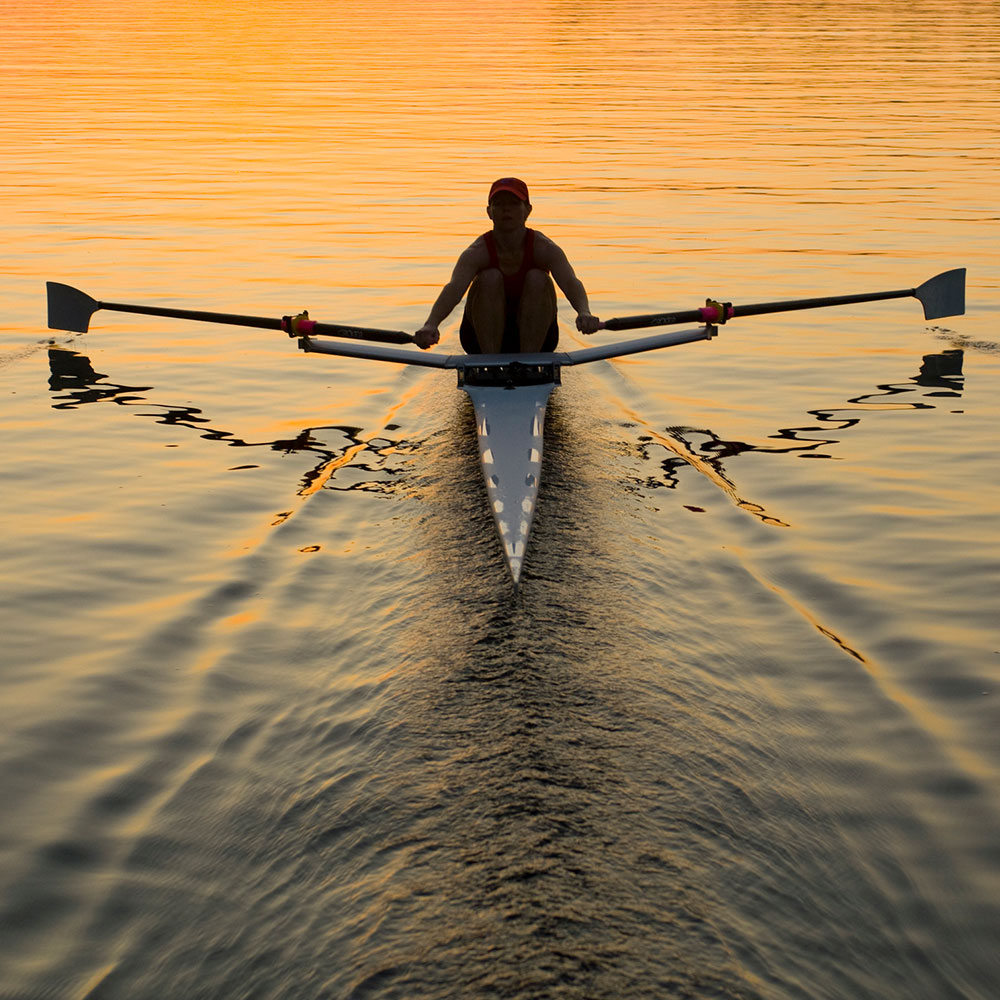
(942, 295)
(509, 391)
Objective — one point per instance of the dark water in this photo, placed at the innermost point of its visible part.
(273, 723)
(595, 788)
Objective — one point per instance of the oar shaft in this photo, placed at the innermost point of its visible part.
(761, 308)
(304, 327)
(261, 322)
(710, 313)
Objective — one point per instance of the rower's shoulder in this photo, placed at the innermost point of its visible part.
(546, 249)
(477, 249)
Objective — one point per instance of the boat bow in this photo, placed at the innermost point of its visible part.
(509, 402)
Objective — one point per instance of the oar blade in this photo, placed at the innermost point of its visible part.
(69, 308)
(943, 295)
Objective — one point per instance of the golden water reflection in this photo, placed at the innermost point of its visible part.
(262, 678)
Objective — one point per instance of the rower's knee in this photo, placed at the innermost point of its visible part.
(539, 293)
(537, 282)
(486, 296)
(489, 282)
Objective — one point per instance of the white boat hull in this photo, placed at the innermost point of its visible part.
(510, 426)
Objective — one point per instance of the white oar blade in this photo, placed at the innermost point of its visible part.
(943, 295)
(69, 308)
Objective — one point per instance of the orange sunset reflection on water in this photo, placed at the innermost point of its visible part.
(272, 721)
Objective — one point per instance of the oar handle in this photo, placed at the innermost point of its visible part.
(302, 326)
(364, 333)
(717, 312)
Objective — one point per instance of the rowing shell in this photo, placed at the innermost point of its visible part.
(509, 394)
(510, 426)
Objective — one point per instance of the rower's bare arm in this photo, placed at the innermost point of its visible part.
(467, 267)
(571, 286)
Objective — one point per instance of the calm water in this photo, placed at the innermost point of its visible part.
(272, 723)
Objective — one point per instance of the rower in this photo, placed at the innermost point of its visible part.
(512, 302)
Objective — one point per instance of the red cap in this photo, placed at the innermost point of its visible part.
(511, 184)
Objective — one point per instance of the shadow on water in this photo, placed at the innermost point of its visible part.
(940, 373)
(75, 383)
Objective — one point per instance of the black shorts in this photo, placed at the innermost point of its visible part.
(511, 343)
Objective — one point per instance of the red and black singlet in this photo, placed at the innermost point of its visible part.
(513, 289)
(513, 283)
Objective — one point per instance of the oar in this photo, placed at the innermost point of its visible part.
(943, 295)
(71, 309)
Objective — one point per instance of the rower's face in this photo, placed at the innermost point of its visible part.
(506, 209)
